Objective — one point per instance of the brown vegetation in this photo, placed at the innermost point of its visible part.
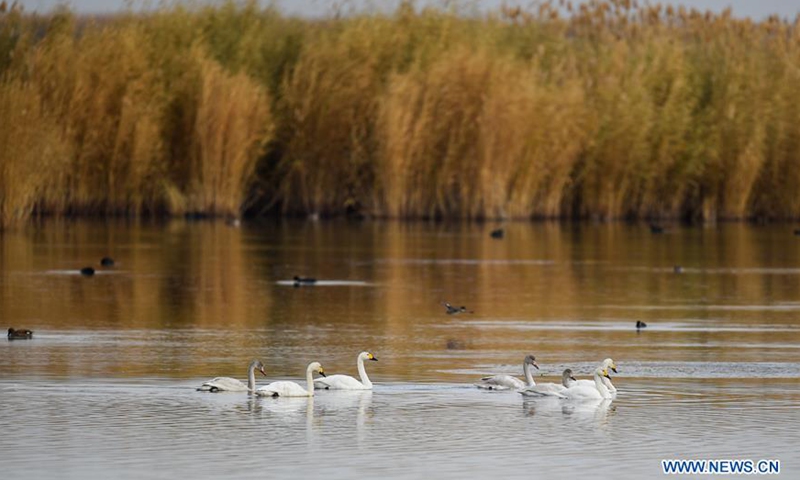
(605, 109)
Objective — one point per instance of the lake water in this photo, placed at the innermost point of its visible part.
(106, 388)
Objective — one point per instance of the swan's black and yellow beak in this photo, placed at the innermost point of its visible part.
(605, 373)
(372, 357)
(613, 368)
(321, 372)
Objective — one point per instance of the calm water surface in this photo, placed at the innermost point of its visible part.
(106, 389)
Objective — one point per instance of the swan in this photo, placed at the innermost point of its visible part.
(589, 392)
(228, 384)
(346, 382)
(507, 382)
(291, 389)
(550, 389)
(607, 363)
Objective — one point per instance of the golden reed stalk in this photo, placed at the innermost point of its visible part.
(605, 109)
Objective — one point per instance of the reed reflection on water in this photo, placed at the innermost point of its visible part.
(107, 383)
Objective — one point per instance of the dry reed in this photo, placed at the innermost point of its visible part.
(599, 109)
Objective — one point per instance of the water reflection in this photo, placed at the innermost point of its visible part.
(347, 407)
(595, 411)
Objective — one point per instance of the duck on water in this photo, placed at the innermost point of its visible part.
(22, 334)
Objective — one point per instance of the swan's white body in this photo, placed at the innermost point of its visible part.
(551, 389)
(507, 382)
(228, 384)
(292, 389)
(590, 383)
(346, 382)
(598, 391)
(607, 363)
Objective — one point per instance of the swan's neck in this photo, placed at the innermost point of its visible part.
(598, 382)
(310, 382)
(251, 377)
(362, 373)
(526, 367)
(610, 386)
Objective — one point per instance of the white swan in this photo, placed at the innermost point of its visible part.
(607, 363)
(228, 384)
(507, 382)
(346, 382)
(550, 389)
(291, 389)
(589, 392)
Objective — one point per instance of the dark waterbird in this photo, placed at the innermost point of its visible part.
(640, 324)
(455, 344)
(298, 281)
(655, 228)
(107, 262)
(451, 310)
(677, 269)
(87, 271)
(19, 334)
(499, 233)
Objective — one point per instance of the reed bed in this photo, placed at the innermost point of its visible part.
(601, 109)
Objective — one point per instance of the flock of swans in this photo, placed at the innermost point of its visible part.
(600, 387)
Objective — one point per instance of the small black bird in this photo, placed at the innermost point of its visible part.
(19, 334)
(298, 281)
(499, 233)
(455, 344)
(87, 271)
(451, 310)
(640, 324)
(654, 228)
(677, 269)
(107, 262)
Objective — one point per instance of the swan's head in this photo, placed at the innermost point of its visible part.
(608, 363)
(367, 356)
(531, 360)
(566, 377)
(604, 372)
(260, 367)
(316, 367)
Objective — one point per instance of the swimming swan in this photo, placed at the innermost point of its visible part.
(228, 384)
(291, 389)
(507, 382)
(607, 363)
(346, 382)
(589, 392)
(550, 389)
